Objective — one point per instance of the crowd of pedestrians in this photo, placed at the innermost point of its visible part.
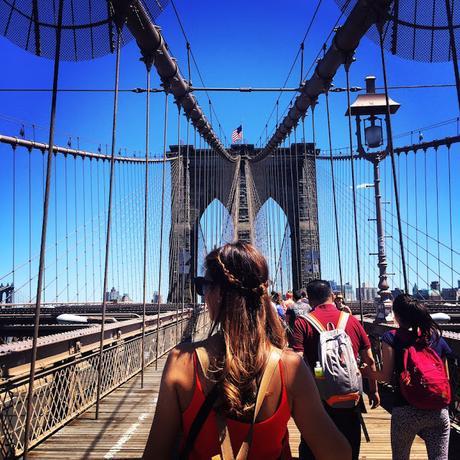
(270, 357)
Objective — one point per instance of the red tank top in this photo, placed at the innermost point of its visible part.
(270, 436)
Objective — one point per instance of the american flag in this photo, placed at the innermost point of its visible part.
(237, 134)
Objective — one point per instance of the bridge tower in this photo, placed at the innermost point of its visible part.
(243, 188)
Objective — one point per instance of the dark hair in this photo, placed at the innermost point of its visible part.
(276, 297)
(299, 294)
(247, 320)
(318, 291)
(413, 314)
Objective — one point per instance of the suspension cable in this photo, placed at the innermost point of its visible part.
(353, 182)
(30, 394)
(148, 64)
(334, 197)
(392, 155)
(163, 186)
(109, 220)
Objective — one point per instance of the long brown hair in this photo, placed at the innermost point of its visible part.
(247, 320)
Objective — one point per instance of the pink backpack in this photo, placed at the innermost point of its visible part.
(423, 380)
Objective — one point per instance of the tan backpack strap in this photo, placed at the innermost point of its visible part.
(225, 444)
(314, 322)
(343, 320)
(203, 359)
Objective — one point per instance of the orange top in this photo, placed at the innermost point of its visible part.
(270, 436)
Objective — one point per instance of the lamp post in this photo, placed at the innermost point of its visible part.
(370, 105)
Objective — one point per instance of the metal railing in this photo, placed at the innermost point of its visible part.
(68, 389)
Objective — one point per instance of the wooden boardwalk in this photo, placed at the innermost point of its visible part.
(126, 415)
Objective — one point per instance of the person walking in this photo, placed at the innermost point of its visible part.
(340, 303)
(421, 398)
(234, 393)
(304, 339)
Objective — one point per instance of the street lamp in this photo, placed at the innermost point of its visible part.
(370, 105)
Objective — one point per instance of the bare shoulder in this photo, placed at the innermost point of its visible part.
(291, 358)
(292, 362)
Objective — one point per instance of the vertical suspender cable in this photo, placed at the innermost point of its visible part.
(307, 185)
(85, 244)
(297, 205)
(437, 215)
(93, 298)
(353, 184)
(41, 265)
(30, 225)
(186, 214)
(392, 156)
(416, 221)
(181, 197)
(148, 64)
(76, 227)
(11, 296)
(426, 218)
(56, 227)
(165, 133)
(109, 220)
(313, 127)
(334, 195)
(450, 218)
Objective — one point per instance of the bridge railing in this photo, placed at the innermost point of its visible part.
(68, 389)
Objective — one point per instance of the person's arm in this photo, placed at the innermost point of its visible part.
(368, 358)
(167, 420)
(297, 336)
(384, 374)
(317, 429)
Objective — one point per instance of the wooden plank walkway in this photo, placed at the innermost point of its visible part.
(126, 415)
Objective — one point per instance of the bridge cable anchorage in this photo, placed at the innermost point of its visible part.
(334, 195)
(27, 427)
(353, 182)
(163, 186)
(380, 25)
(109, 217)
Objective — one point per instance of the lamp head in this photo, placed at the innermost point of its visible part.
(373, 133)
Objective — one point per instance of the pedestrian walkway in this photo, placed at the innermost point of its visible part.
(126, 415)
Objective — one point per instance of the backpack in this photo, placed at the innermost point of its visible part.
(341, 383)
(423, 382)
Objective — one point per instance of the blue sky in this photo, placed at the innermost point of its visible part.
(236, 44)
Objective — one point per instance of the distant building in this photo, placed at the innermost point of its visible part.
(368, 293)
(157, 298)
(334, 286)
(422, 294)
(450, 294)
(125, 298)
(435, 291)
(348, 293)
(112, 296)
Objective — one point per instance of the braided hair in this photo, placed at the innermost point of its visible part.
(247, 320)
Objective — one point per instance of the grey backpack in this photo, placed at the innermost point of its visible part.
(340, 384)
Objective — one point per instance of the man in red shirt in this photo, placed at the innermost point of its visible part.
(304, 340)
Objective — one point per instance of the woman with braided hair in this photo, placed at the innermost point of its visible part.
(232, 395)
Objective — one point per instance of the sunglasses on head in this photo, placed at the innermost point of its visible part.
(201, 285)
